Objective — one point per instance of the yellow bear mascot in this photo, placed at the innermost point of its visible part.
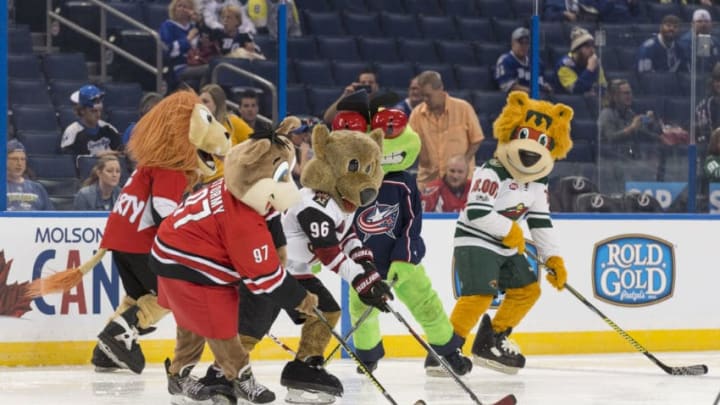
(489, 244)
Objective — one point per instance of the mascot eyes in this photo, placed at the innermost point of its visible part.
(530, 133)
(368, 168)
(281, 172)
(543, 140)
(353, 166)
(524, 133)
(208, 117)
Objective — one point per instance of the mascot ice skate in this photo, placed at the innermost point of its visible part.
(489, 243)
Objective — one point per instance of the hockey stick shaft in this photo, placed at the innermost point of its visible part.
(357, 360)
(698, 369)
(281, 344)
(355, 327)
(433, 353)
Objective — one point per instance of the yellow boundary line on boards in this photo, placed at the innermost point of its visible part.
(79, 352)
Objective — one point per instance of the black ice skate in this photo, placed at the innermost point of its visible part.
(103, 363)
(119, 341)
(495, 351)
(187, 389)
(248, 389)
(459, 364)
(309, 383)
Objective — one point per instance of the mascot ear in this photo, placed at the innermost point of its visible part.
(378, 135)
(562, 113)
(253, 152)
(288, 125)
(320, 138)
(519, 98)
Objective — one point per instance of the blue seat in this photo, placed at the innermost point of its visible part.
(388, 6)
(583, 129)
(400, 25)
(143, 46)
(438, 27)
(476, 29)
(85, 163)
(267, 45)
(66, 116)
(313, 5)
(60, 187)
(628, 75)
(581, 151)
(347, 72)
(427, 7)
(121, 95)
(19, 41)
(523, 8)
(302, 48)
(504, 29)
(297, 101)
(395, 74)
(40, 142)
(228, 79)
(24, 66)
(120, 118)
(489, 103)
(552, 33)
(643, 104)
(486, 150)
(130, 9)
(87, 16)
(626, 58)
(357, 6)
(417, 50)
(465, 94)
(446, 72)
(60, 91)
(495, 8)
(154, 14)
(28, 92)
(323, 23)
(65, 66)
(578, 104)
(52, 166)
(362, 24)
(677, 111)
(474, 77)
(314, 72)
(660, 84)
(34, 117)
(338, 48)
(456, 52)
(656, 11)
(267, 69)
(378, 49)
(460, 8)
(320, 98)
(488, 53)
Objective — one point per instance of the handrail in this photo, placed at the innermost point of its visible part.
(157, 70)
(251, 76)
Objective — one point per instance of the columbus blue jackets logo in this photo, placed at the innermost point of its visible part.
(378, 219)
(633, 270)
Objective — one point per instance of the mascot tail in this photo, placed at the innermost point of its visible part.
(64, 280)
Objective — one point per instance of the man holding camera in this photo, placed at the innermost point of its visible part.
(367, 80)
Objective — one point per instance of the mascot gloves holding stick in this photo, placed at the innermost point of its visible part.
(489, 243)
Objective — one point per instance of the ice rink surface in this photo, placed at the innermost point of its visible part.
(617, 379)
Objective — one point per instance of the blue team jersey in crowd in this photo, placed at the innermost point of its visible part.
(655, 56)
(27, 196)
(510, 70)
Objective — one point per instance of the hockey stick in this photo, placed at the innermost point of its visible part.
(354, 357)
(698, 369)
(281, 344)
(355, 327)
(507, 400)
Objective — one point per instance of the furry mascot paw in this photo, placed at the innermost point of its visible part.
(558, 274)
(515, 238)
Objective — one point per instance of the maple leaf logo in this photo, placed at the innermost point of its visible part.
(14, 298)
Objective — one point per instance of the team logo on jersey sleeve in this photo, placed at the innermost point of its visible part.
(378, 219)
(321, 198)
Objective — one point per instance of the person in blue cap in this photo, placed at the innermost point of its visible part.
(90, 135)
(23, 194)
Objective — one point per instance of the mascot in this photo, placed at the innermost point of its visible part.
(343, 175)
(390, 228)
(217, 238)
(173, 146)
(489, 243)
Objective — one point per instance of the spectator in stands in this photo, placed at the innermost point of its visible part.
(229, 40)
(147, 102)
(569, 10)
(616, 11)
(580, 71)
(707, 111)
(367, 80)
(660, 53)
(23, 194)
(448, 194)
(711, 167)
(211, 11)
(447, 126)
(180, 33)
(249, 108)
(701, 24)
(214, 98)
(264, 14)
(512, 70)
(301, 138)
(90, 135)
(620, 125)
(101, 189)
(412, 100)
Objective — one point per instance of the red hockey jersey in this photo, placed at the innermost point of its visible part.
(131, 225)
(217, 239)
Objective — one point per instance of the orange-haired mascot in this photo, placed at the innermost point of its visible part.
(173, 145)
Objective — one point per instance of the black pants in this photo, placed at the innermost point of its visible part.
(258, 312)
(135, 273)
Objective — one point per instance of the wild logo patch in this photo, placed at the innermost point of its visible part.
(633, 270)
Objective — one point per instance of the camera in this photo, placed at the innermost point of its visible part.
(365, 87)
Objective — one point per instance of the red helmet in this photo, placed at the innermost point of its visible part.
(351, 120)
(392, 121)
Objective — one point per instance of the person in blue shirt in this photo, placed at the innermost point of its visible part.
(701, 25)
(180, 34)
(100, 190)
(147, 102)
(23, 194)
(580, 71)
(661, 53)
(512, 70)
(413, 99)
(90, 135)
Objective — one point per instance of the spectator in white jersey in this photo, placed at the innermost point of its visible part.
(89, 135)
(512, 70)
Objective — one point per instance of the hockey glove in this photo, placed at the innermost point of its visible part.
(362, 254)
(371, 289)
(515, 238)
(308, 304)
(557, 276)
